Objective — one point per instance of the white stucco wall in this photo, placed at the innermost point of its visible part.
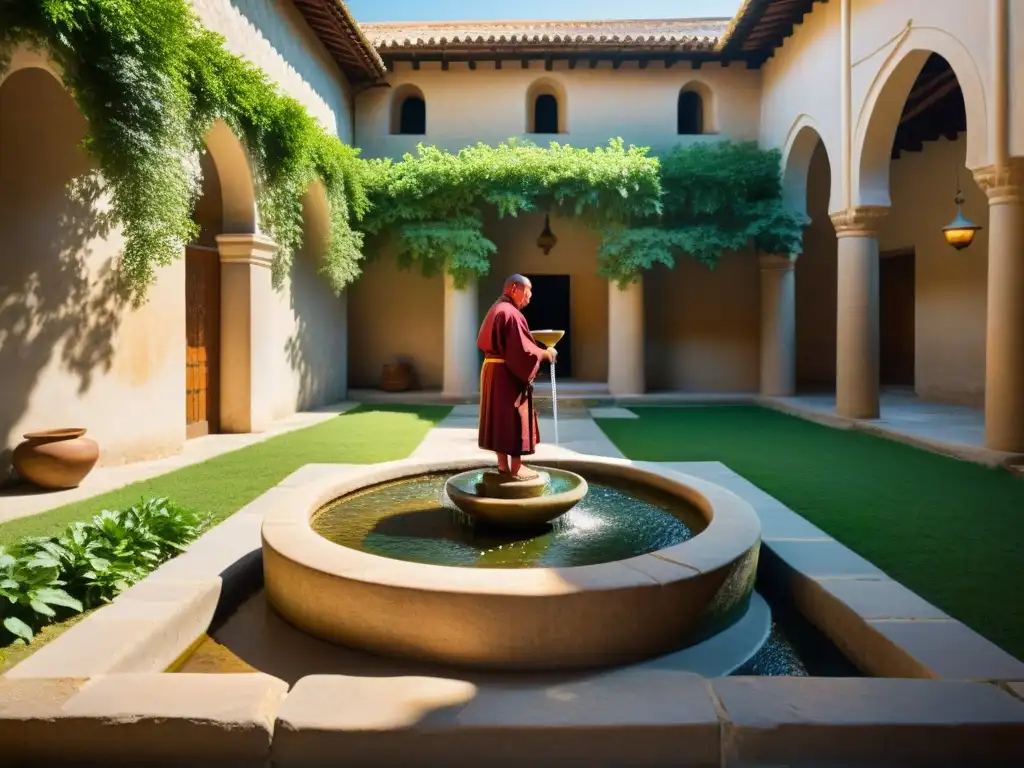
(466, 106)
(273, 35)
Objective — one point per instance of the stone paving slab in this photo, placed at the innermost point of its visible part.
(612, 412)
(808, 721)
(23, 501)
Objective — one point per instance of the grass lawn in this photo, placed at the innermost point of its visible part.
(224, 484)
(949, 530)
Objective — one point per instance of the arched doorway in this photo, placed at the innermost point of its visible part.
(915, 146)
(807, 188)
(226, 205)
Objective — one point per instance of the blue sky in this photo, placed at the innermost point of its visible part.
(537, 10)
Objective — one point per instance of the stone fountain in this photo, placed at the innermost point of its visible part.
(501, 500)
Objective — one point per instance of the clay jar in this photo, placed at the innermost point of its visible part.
(55, 459)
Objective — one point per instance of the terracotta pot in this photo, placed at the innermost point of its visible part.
(55, 458)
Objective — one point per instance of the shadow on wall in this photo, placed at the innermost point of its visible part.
(60, 304)
(296, 47)
(317, 347)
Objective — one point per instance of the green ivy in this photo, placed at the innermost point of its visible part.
(701, 201)
(151, 80)
(716, 197)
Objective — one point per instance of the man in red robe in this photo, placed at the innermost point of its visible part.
(508, 421)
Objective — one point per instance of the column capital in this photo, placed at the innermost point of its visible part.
(255, 249)
(1002, 184)
(861, 221)
(774, 261)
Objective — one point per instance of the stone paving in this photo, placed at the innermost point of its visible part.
(22, 501)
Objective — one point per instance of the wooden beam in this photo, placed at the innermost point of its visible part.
(922, 105)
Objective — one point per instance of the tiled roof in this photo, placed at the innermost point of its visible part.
(332, 22)
(699, 34)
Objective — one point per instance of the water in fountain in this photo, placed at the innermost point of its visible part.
(414, 520)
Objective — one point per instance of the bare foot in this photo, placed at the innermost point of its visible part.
(525, 473)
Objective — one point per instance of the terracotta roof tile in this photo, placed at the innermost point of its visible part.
(648, 33)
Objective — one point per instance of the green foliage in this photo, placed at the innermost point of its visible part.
(700, 201)
(46, 579)
(717, 197)
(431, 206)
(151, 81)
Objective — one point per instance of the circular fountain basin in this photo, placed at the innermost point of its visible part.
(498, 500)
(517, 616)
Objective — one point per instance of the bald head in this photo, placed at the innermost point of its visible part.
(519, 290)
(516, 281)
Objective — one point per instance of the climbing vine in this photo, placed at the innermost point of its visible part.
(151, 80)
(701, 201)
(430, 206)
(716, 197)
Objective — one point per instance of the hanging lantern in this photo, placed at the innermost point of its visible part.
(546, 240)
(959, 233)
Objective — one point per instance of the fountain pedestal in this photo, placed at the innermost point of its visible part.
(502, 500)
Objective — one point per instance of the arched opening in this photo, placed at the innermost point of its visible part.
(315, 324)
(807, 181)
(408, 112)
(546, 108)
(226, 205)
(60, 307)
(914, 147)
(545, 114)
(690, 114)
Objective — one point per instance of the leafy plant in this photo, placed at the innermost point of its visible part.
(46, 579)
(151, 80)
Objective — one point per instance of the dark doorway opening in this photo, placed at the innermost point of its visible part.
(549, 308)
(896, 318)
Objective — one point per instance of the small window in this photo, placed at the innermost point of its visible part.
(545, 114)
(412, 120)
(690, 116)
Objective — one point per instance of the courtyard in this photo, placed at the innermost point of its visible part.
(245, 248)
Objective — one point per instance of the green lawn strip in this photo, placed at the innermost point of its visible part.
(224, 484)
(949, 530)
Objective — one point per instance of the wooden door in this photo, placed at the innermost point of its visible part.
(202, 341)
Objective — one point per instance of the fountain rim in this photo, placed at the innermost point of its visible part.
(733, 529)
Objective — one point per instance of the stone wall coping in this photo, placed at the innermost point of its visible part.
(627, 717)
(733, 528)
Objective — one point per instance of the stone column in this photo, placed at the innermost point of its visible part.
(246, 342)
(461, 325)
(1004, 336)
(778, 326)
(626, 375)
(857, 319)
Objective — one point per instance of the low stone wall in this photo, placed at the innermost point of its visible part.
(98, 694)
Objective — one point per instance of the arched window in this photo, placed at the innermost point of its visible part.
(408, 111)
(545, 114)
(412, 120)
(690, 114)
